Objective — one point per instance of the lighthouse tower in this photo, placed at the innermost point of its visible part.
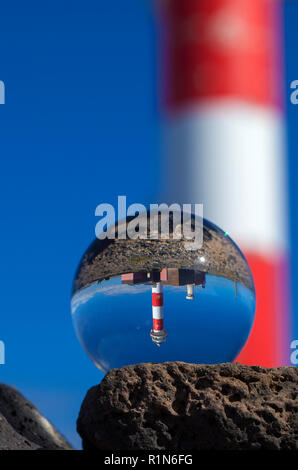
(158, 334)
(221, 77)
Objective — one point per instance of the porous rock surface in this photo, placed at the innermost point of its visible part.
(23, 427)
(189, 406)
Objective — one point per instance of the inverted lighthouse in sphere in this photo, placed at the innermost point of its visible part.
(158, 334)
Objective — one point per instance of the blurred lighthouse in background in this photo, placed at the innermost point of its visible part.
(224, 141)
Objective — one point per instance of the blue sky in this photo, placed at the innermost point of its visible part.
(79, 127)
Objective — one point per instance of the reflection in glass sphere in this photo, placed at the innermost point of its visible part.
(153, 300)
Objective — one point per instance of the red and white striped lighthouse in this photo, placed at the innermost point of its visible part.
(158, 334)
(221, 74)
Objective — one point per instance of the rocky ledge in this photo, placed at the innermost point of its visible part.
(22, 426)
(189, 406)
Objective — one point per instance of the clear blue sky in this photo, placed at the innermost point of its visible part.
(78, 128)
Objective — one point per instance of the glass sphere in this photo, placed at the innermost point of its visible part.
(154, 300)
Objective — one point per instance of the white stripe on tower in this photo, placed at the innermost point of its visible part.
(158, 334)
(224, 141)
(235, 148)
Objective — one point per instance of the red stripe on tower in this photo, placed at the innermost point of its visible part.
(224, 141)
(157, 299)
(157, 324)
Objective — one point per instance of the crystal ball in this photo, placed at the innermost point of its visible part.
(152, 299)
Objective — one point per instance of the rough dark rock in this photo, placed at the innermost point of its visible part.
(188, 406)
(11, 440)
(22, 427)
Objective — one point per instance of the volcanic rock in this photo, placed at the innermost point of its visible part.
(179, 406)
(22, 426)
